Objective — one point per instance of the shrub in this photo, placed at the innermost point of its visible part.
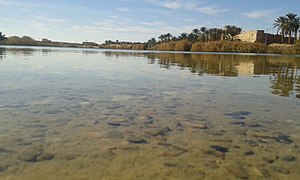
(229, 46)
(170, 46)
(183, 45)
(283, 49)
(138, 47)
(25, 40)
(197, 47)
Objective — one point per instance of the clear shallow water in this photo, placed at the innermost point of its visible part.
(98, 114)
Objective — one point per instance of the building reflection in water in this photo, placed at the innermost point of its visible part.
(283, 71)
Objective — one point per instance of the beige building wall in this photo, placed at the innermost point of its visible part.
(261, 37)
(252, 36)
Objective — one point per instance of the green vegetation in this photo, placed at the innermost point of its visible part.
(288, 25)
(2, 37)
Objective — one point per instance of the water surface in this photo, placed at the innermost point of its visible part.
(101, 114)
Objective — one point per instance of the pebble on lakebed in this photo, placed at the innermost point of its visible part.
(239, 115)
(157, 131)
(219, 148)
(136, 140)
(35, 156)
(289, 158)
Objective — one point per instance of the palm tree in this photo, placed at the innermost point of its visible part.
(162, 38)
(151, 43)
(281, 25)
(291, 19)
(168, 36)
(192, 37)
(296, 27)
(197, 33)
(2, 37)
(204, 32)
(215, 34)
(183, 36)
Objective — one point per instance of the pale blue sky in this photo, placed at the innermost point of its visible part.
(133, 20)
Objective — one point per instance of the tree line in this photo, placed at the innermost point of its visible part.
(202, 34)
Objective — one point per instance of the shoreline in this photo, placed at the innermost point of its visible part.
(146, 51)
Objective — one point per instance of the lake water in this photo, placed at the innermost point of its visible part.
(103, 114)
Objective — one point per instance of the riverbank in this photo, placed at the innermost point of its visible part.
(187, 46)
(216, 46)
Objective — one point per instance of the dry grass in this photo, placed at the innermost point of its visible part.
(183, 45)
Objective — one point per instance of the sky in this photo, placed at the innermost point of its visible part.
(134, 20)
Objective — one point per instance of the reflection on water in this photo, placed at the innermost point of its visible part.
(2, 53)
(284, 71)
(85, 114)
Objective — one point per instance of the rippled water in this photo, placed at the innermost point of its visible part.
(100, 114)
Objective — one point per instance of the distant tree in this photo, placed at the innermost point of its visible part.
(197, 33)
(296, 27)
(215, 34)
(165, 37)
(162, 38)
(231, 31)
(183, 36)
(168, 36)
(281, 25)
(151, 43)
(204, 33)
(174, 38)
(192, 37)
(108, 42)
(291, 23)
(2, 37)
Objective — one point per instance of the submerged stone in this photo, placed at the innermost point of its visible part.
(170, 165)
(136, 140)
(281, 170)
(172, 150)
(45, 157)
(200, 126)
(114, 124)
(268, 160)
(3, 150)
(220, 148)
(145, 119)
(179, 127)
(255, 125)
(217, 154)
(249, 152)
(289, 158)
(116, 106)
(3, 167)
(157, 132)
(28, 156)
(238, 123)
(240, 115)
(282, 138)
(115, 135)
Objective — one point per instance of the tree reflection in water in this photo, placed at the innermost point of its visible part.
(283, 71)
(2, 53)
